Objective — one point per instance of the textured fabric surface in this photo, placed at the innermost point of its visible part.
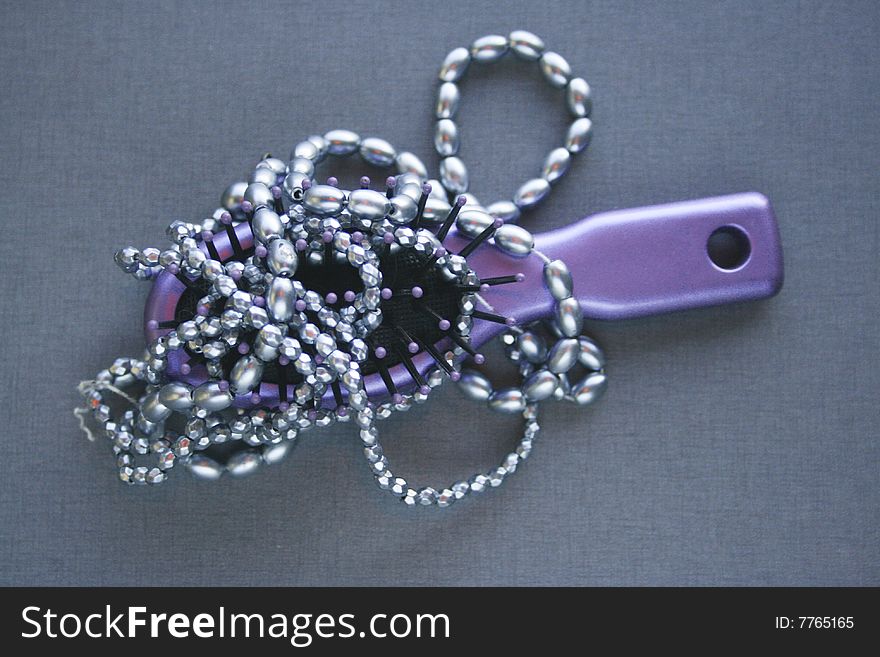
(736, 445)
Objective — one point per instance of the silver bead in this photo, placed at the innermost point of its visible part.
(407, 162)
(556, 165)
(526, 45)
(473, 222)
(474, 385)
(153, 410)
(540, 386)
(563, 356)
(302, 165)
(244, 463)
(578, 97)
(210, 397)
(246, 374)
(489, 48)
(590, 355)
(555, 69)
(455, 65)
(274, 164)
(507, 211)
(258, 194)
(531, 192)
(448, 98)
(446, 137)
(454, 175)
(321, 144)
(305, 149)
(282, 259)
(266, 225)
(204, 467)
(323, 200)
(176, 396)
(368, 204)
(342, 142)
(233, 196)
(508, 400)
(276, 453)
(532, 346)
(263, 175)
(293, 185)
(404, 209)
(590, 388)
(514, 240)
(579, 134)
(436, 210)
(568, 318)
(437, 190)
(557, 278)
(377, 152)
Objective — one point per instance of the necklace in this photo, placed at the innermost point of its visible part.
(299, 304)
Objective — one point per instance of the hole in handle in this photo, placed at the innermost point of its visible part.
(729, 248)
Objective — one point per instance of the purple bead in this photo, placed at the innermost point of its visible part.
(300, 305)
(225, 218)
(520, 277)
(510, 321)
(425, 390)
(455, 376)
(397, 398)
(479, 359)
(332, 181)
(417, 292)
(223, 385)
(283, 406)
(388, 238)
(152, 325)
(185, 368)
(260, 301)
(357, 236)
(485, 287)
(365, 182)
(413, 348)
(444, 324)
(331, 298)
(255, 398)
(276, 191)
(283, 361)
(301, 244)
(327, 237)
(173, 269)
(380, 352)
(247, 207)
(243, 348)
(349, 296)
(390, 182)
(207, 236)
(386, 293)
(261, 251)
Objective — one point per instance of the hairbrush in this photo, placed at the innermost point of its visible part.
(300, 304)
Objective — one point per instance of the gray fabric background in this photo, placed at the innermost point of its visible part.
(737, 445)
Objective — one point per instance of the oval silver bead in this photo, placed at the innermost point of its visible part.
(244, 463)
(302, 165)
(555, 69)
(342, 142)
(293, 184)
(578, 97)
(321, 144)
(569, 318)
(176, 396)
(274, 454)
(323, 200)
(472, 202)
(437, 190)
(368, 204)
(454, 175)
(204, 467)
(531, 192)
(263, 175)
(508, 400)
(504, 210)
(258, 194)
(563, 355)
(540, 386)
(473, 222)
(556, 164)
(489, 48)
(526, 45)
(436, 210)
(590, 388)
(446, 137)
(281, 299)
(266, 225)
(377, 152)
(154, 410)
(404, 209)
(306, 149)
(514, 240)
(590, 355)
(455, 65)
(246, 374)
(274, 164)
(557, 278)
(474, 385)
(579, 134)
(282, 259)
(233, 196)
(210, 397)
(532, 346)
(448, 98)
(410, 163)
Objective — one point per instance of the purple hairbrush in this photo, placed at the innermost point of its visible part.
(298, 305)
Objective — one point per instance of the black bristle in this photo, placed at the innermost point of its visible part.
(489, 317)
(471, 246)
(450, 219)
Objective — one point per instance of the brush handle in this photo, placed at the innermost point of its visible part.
(642, 261)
